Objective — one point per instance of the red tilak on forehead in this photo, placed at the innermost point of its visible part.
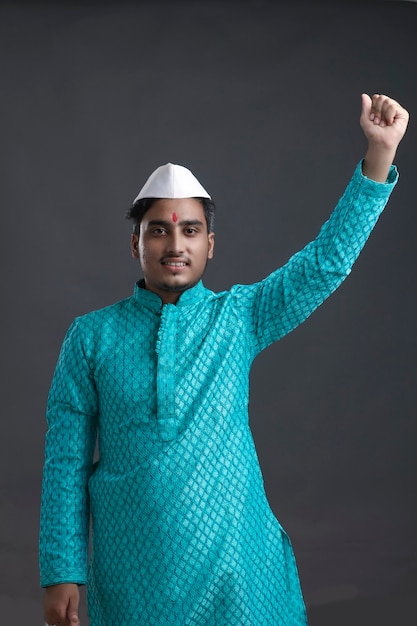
(174, 217)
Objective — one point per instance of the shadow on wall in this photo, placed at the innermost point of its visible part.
(388, 611)
(343, 606)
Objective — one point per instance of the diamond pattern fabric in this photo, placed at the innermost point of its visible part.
(183, 534)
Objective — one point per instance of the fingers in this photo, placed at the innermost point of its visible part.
(366, 104)
(72, 612)
(384, 121)
(384, 110)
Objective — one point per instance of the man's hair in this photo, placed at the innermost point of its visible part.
(138, 210)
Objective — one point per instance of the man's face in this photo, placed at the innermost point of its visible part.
(173, 246)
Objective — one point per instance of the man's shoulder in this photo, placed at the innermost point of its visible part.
(98, 317)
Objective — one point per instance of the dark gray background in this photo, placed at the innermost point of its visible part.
(261, 100)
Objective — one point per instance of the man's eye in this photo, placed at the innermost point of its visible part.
(158, 231)
(191, 231)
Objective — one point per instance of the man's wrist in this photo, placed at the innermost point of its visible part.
(377, 162)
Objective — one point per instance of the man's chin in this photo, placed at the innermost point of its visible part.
(177, 287)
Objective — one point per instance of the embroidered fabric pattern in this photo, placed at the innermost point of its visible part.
(183, 534)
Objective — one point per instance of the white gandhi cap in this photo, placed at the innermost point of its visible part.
(171, 181)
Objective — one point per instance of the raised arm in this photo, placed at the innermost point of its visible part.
(284, 299)
(384, 122)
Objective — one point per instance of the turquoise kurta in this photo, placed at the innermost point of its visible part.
(182, 531)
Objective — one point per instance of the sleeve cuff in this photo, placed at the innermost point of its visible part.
(375, 186)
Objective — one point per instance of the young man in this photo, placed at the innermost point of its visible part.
(182, 533)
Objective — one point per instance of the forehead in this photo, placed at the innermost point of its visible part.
(175, 209)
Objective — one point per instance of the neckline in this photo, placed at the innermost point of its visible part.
(151, 300)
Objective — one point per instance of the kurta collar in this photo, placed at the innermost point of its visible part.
(152, 301)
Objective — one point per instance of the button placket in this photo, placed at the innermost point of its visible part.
(165, 378)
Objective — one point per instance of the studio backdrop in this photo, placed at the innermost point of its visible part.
(261, 100)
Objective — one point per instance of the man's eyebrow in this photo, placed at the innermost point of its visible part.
(191, 223)
(158, 223)
(182, 223)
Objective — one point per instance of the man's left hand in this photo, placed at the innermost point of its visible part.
(383, 120)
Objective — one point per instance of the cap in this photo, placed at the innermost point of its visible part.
(171, 181)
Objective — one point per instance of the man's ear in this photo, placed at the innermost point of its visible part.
(211, 245)
(134, 245)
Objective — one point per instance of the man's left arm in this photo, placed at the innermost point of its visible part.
(283, 300)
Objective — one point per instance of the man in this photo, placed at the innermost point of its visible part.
(182, 530)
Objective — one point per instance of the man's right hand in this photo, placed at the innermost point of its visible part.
(60, 604)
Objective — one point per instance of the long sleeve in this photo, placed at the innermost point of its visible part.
(69, 448)
(283, 300)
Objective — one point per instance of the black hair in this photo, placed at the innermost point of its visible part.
(139, 208)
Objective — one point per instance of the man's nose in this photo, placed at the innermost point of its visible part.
(175, 242)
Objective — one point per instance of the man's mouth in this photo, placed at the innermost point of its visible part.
(174, 262)
(174, 265)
